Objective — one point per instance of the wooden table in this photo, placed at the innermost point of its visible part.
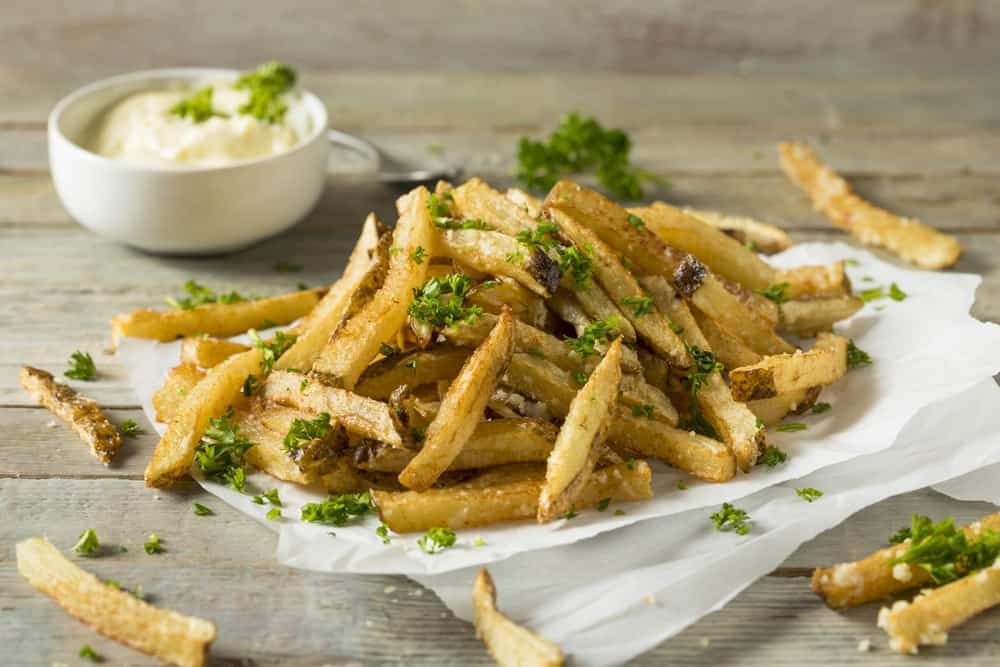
(902, 96)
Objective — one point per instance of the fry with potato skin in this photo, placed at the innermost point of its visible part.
(756, 235)
(462, 407)
(581, 437)
(810, 316)
(412, 370)
(909, 238)
(510, 644)
(168, 399)
(815, 280)
(208, 352)
(824, 364)
(498, 254)
(168, 635)
(772, 410)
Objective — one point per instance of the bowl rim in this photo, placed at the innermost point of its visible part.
(174, 74)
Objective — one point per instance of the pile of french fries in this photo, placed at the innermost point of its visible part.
(496, 357)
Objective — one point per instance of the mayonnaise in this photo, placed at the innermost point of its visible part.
(141, 129)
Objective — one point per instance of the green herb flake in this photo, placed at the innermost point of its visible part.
(479, 541)
(595, 333)
(153, 546)
(820, 408)
(944, 551)
(437, 540)
(221, 451)
(872, 294)
(676, 328)
(250, 385)
(306, 430)
(777, 293)
(130, 429)
(731, 518)
(852, 262)
(576, 263)
(636, 221)
(201, 510)
(681, 485)
(383, 532)
(88, 544)
(773, 456)
(197, 106)
(284, 266)
(81, 367)
(387, 350)
(338, 510)
(791, 426)
(603, 504)
(808, 494)
(301, 286)
(273, 514)
(619, 512)
(90, 654)
(440, 301)
(895, 293)
(641, 305)
(199, 295)
(411, 363)
(266, 85)
(856, 356)
(579, 377)
(571, 513)
(644, 410)
(273, 348)
(419, 255)
(418, 434)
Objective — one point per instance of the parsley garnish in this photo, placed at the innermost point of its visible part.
(676, 328)
(576, 263)
(516, 258)
(130, 429)
(570, 513)
(479, 541)
(153, 546)
(250, 385)
(856, 356)
(579, 377)
(338, 510)
(636, 221)
(304, 430)
(603, 504)
(872, 294)
(436, 540)
(266, 84)
(895, 293)
(644, 410)
(272, 349)
(776, 293)
(641, 305)
(440, 207)
(703, 364)
(808, 494)
(944, 551)
(81, 367)
(411, 363)
(201, 510)
(489, 284)
(270, 496)
(273, 514)
(577, 145)
(221, 451)
(199, 295)
(440, 301)
(791, 426)
(88, 544)
(773, 456)
(731, 518)
(90, 654)
(418, 434)
(419, 255)
(535, 352)
(595, 333)
(820, 408)
(540, 236)
(681, 485)
(197, 106)
(383, 532)
(387, 350)
(284, 266)
(852, 262)
(468, 223)
(619, 512)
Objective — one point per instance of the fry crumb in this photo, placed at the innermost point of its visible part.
(650, 600)
(864, 646)
(51, 423)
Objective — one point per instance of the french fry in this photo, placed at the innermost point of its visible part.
(700, 457)
(510, 644)
(266, 425)
(596, 303)
(502, 291)
(532, 204)
(569, 310)
(477, 200)
(342, 478)
(851, 584)
(458, 507)
(355, 344)
(756, 235)
(214, 319)
(726, 347)
(581, 437)
(772, 410)
(909, 238)
(931, 615)
(168, 635)
(809, 316)
(218, 390)
(825, 363)
(80, 412)
(208, 352)
(181, 379)
(493, 443)
(358, 414)
(462, 407)
(816, 280)
(412, 370)
(501, 255)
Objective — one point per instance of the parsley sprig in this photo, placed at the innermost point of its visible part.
(273, 348)
(440, 301)
(130, 429)
(809, 494)
(88, 544)
(856, 356)
(81, 367)
(197, 106)
(776, 293)
(703, 364)
(595, 333)
(305, 430)
(198, 295)
(221, 452)
(944, 551)
(338, 510)
(572, 261)
(640, 305)
(266, 85)
(773, 456)
(437, 540)
(731, 518)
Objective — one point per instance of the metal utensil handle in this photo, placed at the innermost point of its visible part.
(356, 144)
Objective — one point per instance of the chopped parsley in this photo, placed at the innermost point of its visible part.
(130, 429)
(411, 363)
(440, 301)
(852, 262)
(201, 510)
(437, 540)
(440, 206)
(81, 367)
(284, 266)
(581, 144)
(221, 452)
(272, 349)
(153, 546)
(269, 496)
(197, 106)
(776, 293)
(895, 293)
(250, 385)
(571, 513)
(856, 356)
(418, 434)
(387, 350)
(301, 286)
(479, 541)
(489, 284)
(266, 85)
(516, 258)
(467, 223)
(619, 512)
(791, 426)
(576, 263)
(90, 654)
(535, 352)
(603, 504)
(872, 294)
(644, 410)
(681, 485)
(641, 305)
(773, 456)
(595, 333)
(820, 408)
(419, 255)
(273, 514)
(636, 221)
(579, 377)
(88, 544)
(944, 551)
(338, 510)
(540, 236)
(383, 532)
(304, 430)
(199, 295)
(676, 328)
(808, 494)
(731, 518)
(703, 365)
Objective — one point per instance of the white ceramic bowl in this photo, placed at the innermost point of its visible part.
(181, 210)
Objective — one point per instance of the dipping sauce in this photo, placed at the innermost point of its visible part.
(207, 125)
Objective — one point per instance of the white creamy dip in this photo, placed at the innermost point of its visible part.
(141, 129)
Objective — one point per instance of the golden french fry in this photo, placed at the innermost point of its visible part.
(510, 644)
(700, 457)
(581, 437)
(531, 204)
(80, 412)
(772, 410)
(215, 319)
(501, 255)
(872, 578)
(492, 296)
(355, 344)
(477, 200)
(168, 635)
(266, 426)
(208, 352)
(412, 370)
(808, 317)
(816, 280)
(825, 363)
(167, 400)
(757, 236)
(909, 238)
(462, 407)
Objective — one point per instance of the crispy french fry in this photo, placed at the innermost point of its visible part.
(208, 352)
(726, 347)
(772, 410)
(214, 319)
(909, 238)
(475, 199)
(266, 425)
(168, 635)
(581, 437)
(181, 379)
(510, 644)
(342, 478)
(358, 414)
(501, 255)
(850, 584)
(80, 412)
(756, 235)
(502, 291)
(493, 443)
(816, 280)
(464, 507)
(825, 363)
(569, 310)
(412, 370)
(462, 407)
(808, 317)
(595, 302)
(701, 457)
(928, 618)
(533, 205)
(210, 397)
